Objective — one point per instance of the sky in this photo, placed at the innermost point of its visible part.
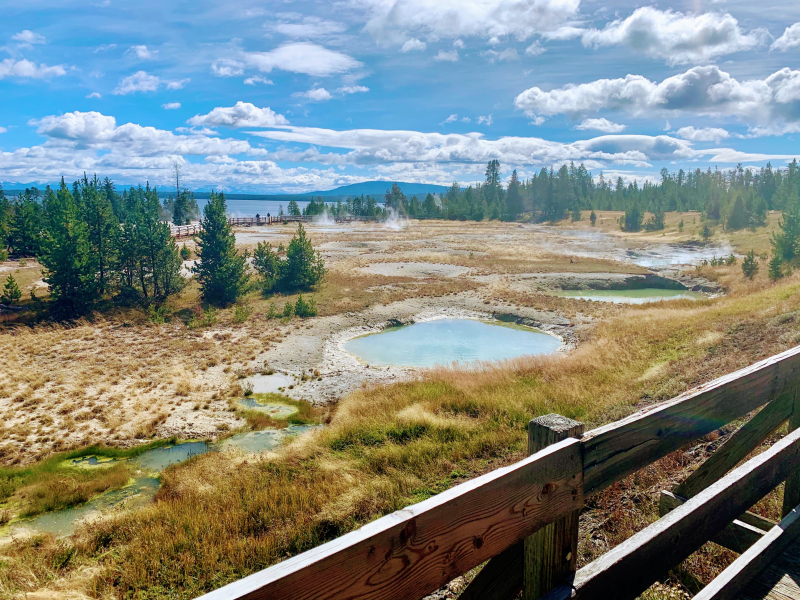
(297, 95)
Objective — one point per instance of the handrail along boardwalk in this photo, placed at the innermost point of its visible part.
(412, 552)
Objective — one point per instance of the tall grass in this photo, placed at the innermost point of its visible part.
(217, 519)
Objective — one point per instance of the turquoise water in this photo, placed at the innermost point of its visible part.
(145, 485)
(445, 341)
(641, 296)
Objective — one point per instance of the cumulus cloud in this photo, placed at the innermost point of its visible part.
(790, 39)
(309, 27)
(314, 95)
(509, 54)
(27, 69)
(603, 125)
(451, 119)
(413, 45)
(535, 49)
(703, 134)
(142, 52)
(227, 68)
(242, 114)
(94, 95)
(140, 81)
(352, 89)
(398, 20)
(28, 37)
(451, 56)
(485, 120)
(177, 84)
(104, 48)
(303, 57)
(257, 79)
(773, 101)
(171, 106)
(676, 37)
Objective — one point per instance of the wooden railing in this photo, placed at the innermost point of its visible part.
(522, 519)
(179, 231)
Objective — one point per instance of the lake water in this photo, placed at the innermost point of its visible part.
(445, 341)
(641, 296)
(251, 208)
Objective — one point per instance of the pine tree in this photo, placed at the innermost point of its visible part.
(222, 270)
(294, 209)
(304, 267)
(27, 221)
(750, 265)
(738, 218)
(11, 292)
(776, 267)
(5, 224)
(103, 226)
(67, 255)
(514, 198)
(593, 218)
(267, 264)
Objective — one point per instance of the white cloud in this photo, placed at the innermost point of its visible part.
(485, 120)
(227, 68)
(466, 120)
(140, 81)
(178, 84)
(94, 95)
(704, 134)
(451, 56)
(509, 54)
(413, 45)
(104, 48)
(790, 39)
(314, 95)
(676, 37)
(171, 106)
(257, 79)
(3, 129)
(451, 119)
(773, 101)
(310, 27)
(352, 89)
(141, 52)
(397, 20)
(603, 125)
(25, 68)
(243, 114)
(535, 49)
(459, 44)
(28, 37)
(303, 57)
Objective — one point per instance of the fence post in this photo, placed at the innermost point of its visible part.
(551, 553)
(791, 489)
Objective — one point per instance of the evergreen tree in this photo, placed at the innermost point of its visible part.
(11, 292)
(294, 209)
(27, 220)
(593, 218)
(67, 255)
(738, 218)
(429, 206)
(103, 226)
(267, 263)
(5, 223)
(395, 199)
(304, 267)
(786, 242)
(632, 221)
(776, 267)
(514, 198)
(222, 270)
(750, 265)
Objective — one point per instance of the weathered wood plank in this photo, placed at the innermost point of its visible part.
(728, 584)
(634, 565)
(791, 491)
(749, 437)
(619, 449)
(414, 551)
(780, 580)
(499, 579)
(552, 552)
(738, 536)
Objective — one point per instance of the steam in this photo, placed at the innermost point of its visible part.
(324, 219)
(394, 221)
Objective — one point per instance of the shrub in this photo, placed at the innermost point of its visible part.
(776, 267)
(731, 260)
(272, 313)
(305, 309)
(186, 254)
(241, 313)
(288, 310)
(593, 218)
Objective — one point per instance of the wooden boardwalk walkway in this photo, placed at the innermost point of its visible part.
(780, 580)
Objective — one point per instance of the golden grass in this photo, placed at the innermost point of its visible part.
(216, 520)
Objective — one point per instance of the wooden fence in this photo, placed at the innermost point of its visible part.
(523, 519)
(180, 231)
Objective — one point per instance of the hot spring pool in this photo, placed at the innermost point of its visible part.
(445, 341)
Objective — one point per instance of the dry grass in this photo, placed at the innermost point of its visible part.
(217, 520)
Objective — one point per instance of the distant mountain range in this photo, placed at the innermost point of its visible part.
(368, 188)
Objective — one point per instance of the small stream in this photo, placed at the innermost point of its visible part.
(147, 466)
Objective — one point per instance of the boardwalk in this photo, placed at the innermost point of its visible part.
(184, 231)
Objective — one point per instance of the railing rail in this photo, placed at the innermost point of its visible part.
(414, 551)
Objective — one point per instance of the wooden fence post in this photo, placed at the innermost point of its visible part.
(550, 553)
(791, 490)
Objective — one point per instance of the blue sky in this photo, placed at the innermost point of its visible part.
(301, 95)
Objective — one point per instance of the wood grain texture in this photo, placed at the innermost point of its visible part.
(728, 584)
(738, 536)
(619, 449)
(748, 437)
(780, 580)
(791, 492)
(414, 551)
(499, 579)
(551, 553)
(634, 565)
